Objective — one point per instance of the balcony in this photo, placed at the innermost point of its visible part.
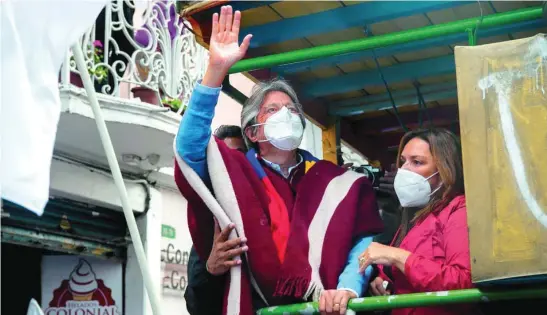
(144, 62)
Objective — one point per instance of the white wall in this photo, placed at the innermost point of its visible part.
(174, 252)
(149, 225)
(228, 111)
(312, 140)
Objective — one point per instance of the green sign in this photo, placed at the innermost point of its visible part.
(167, 231)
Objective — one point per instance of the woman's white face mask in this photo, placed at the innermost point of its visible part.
(284, 130)
(412, 189)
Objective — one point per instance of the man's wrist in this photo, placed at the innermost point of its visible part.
(211, 274)
(353, 293)
(214, 76)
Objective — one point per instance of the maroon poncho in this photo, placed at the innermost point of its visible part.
(332, 209)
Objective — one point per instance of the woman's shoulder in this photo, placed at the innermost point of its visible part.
(455, 206)
(457, 202)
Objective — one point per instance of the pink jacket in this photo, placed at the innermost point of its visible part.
(439, 261)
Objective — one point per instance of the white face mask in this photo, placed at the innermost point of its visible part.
(283, 130)
(412, 189)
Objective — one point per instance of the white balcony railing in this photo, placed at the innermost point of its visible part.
(141, 49)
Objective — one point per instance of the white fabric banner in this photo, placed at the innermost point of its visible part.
(34, 308)
(36, 36)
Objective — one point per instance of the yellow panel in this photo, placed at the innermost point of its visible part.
(329, 143)
(353, 67)
(438, 79)
(383, 61)
(458, 13)
(424, 54)
(502, 92)
(289, 45)
(488, 40)
(289, 9)
(338, 36)
(400, 24)
(448, 101)
(529, 33)
(381, 89)
(503, 6)
(326, 72)
(348, 3)
(411, 108)
(345, 96)
(376, 89)
(305, 76)
(493, 39)
(258, 16)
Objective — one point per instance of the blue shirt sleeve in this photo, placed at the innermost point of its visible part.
(351, 279)
(195, 128)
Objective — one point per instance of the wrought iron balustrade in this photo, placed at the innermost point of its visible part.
(142, 46)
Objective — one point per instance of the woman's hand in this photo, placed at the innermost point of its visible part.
(333, 302)
(224, 48)
(378, 254)
(224, 250)
(377, 287)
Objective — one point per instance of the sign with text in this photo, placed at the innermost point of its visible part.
(77, 285)
(168, 231)
(174, 265)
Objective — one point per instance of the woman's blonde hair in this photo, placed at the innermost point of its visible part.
(446, 151)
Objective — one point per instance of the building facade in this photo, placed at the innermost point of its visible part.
(144, 62)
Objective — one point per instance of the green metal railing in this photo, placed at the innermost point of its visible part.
(414, 300)
(402, 37)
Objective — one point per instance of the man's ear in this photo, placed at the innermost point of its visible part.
(250, 132)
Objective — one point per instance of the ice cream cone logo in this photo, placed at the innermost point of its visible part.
(82, 282)
(82, 290)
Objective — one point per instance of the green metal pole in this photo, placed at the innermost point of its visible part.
(414, 300)
(472, 36)
(234, 93)
(387, 40)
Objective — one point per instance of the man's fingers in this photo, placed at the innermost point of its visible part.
(380, 288)
(217, 228)
(337, 300)
(328, 302)
(373, 289)
(245, 44)
(229, 17)
(235, 252)
(322, 304)
(214, 31)
(344, 304)
(231, 263)
(338, 297)
(376, 285)
(222, 20)
(237, 22)
(231, 244)
(224, 234)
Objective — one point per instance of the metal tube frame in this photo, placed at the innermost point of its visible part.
(414, 300)
(401, 37)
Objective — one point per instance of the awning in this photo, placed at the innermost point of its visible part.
(340, 55)
(67, 226)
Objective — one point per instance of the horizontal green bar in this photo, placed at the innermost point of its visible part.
(387, 39)
(414, 300)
